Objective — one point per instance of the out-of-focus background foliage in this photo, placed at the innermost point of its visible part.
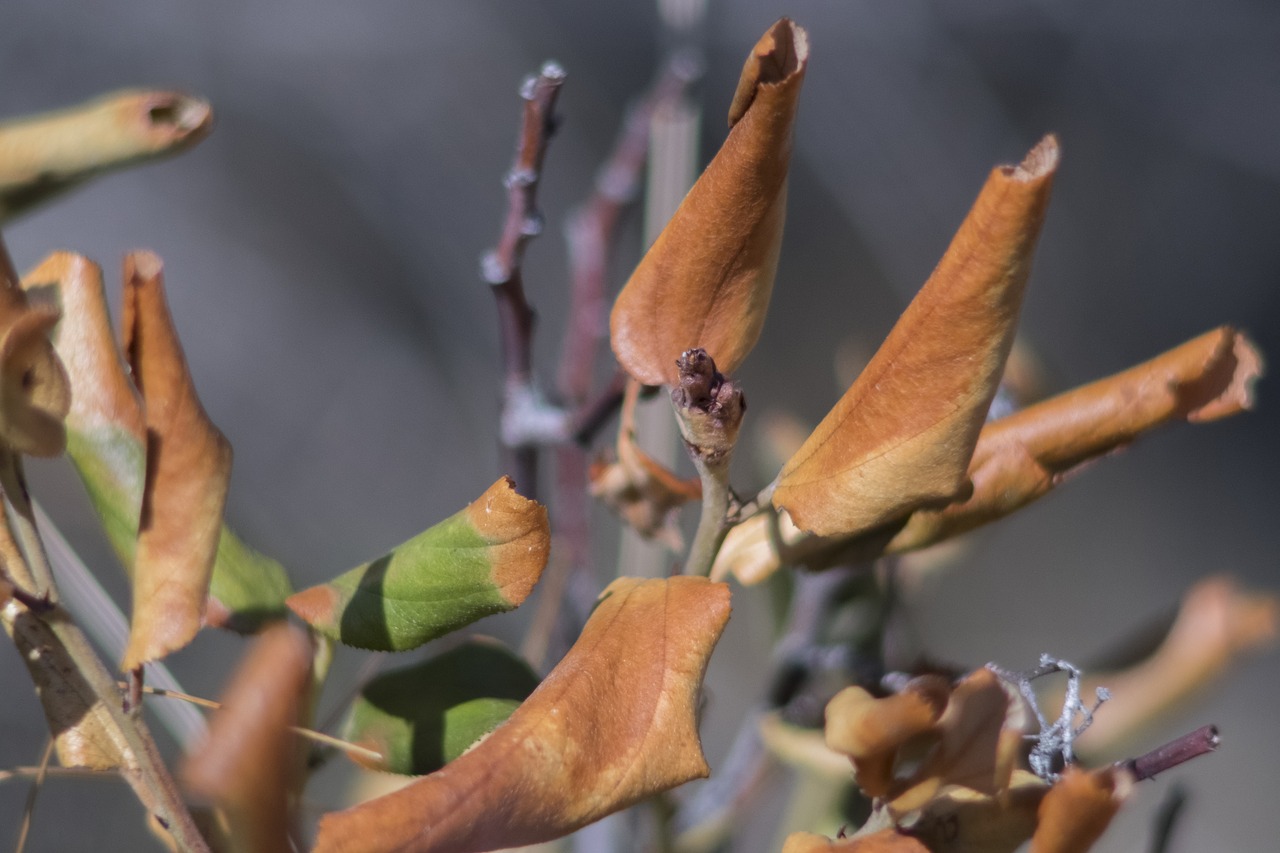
(322, 258)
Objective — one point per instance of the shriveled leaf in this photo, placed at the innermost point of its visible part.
(706, 280)
(250, 766)
(106, 441)
(1218, 623)
(44, 155)
(871, 731)
(883, 841)
(481, 561)
(960, 820)
(641, 490)
(421, 717)
(188, 471)
(84, 733)
(901, 437)
(34, 390)
(1078, 809)
(615, 722)
(1022, 456)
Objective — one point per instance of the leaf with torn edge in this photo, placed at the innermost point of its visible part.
(615, 722)
(44, 155)
(188, 471)
(420, 717)
(106, 441)
(251, 764)
(482, 560)
(901, 437)
(707, 279)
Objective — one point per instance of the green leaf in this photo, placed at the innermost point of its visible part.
(422, 717)
(481, 561)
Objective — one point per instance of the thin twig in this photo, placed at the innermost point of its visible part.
(1166, 819)
(13, 774)
(501, 269)
(29, 810)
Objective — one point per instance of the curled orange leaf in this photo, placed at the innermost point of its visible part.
(1077, 809)
(883, 841)
(707, 279)
(250, 764)
(613, 723)
(901, 437)
(188, 469)
(1022, 456)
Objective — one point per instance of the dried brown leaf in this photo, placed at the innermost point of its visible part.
(1078, 808)
(614, 722)
(34, 391)
(1021, 457)
(250, 764)
(871, 731)
(901, 437)
(707, 279)
(188, 469)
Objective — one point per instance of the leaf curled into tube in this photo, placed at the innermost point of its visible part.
(901, 437)
(613, 723)
(707, 279)
(250, 764)
(188, 470)
(1022, 456)
(480, 561)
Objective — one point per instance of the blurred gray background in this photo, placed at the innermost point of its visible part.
(322, 261)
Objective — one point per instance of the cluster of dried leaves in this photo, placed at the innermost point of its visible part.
(906, 458)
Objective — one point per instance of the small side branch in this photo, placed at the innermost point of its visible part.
(527, 418)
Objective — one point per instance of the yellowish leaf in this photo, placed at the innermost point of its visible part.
(707, 279)
(901, 437)
(615, 722)
(34, 391)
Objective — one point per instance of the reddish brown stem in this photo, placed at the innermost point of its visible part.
(501, 266)
(1191, 745)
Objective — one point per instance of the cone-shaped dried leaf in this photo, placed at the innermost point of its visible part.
(421, 717)
(1021, 457)
(34, 390)
(706, 280)
(901, 437)
(615, 722)
(43, 155)
(251, 763)
(188, 470)
(1078, 808)
(1217, 623)
(106, 440)
(481, 561)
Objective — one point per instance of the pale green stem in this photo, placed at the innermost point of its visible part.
(22, 522)
(712, 524)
